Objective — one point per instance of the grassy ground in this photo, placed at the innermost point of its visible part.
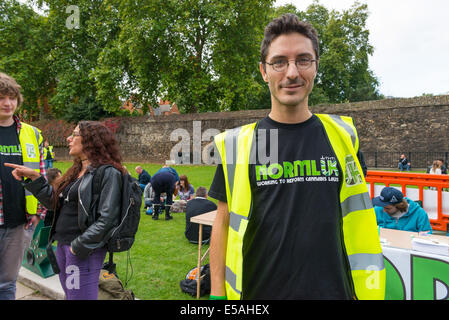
(161, 255)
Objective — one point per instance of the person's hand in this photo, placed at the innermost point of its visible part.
(21, 171)
(34, 220)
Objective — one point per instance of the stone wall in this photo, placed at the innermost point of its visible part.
(390, 125)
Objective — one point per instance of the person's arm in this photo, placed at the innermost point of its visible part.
(37, 183)
(423, 223)
(108, 211)
(362, 162)
(218, 246)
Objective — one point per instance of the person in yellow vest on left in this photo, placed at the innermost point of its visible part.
(49, 155)
(20, 143)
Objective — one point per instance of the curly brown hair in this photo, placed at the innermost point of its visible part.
(100, 147)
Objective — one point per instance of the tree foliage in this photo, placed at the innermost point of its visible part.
(24, 47)
(201, 54)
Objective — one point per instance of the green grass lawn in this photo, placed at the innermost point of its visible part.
(161, 255)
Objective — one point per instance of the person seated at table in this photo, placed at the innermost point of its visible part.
(394, 211)
(199, 205)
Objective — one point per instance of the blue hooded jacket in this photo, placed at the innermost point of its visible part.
(414, 220)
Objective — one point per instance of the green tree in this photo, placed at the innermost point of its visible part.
(201, 54)
(24, 52)
(79, 33)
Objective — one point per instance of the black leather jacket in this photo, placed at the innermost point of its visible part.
(95, 228)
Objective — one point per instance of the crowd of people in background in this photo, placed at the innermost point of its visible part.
(167, 191)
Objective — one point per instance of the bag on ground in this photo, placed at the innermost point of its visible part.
(111, 288)
(189, 284)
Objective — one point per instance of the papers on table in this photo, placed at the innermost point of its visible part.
(430, 246)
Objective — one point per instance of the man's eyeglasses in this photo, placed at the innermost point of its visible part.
(281, 65)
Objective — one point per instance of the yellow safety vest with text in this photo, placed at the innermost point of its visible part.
(30, 138)
(361, 240)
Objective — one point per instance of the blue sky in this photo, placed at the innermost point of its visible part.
(411, 43)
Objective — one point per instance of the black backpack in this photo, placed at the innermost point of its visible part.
(122, 236)
(189, 284)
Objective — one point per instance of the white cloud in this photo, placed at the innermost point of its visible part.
(411, 43)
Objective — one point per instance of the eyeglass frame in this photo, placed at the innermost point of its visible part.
(75, 134)
(296, 61)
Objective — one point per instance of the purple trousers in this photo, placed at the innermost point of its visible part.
(79, 277)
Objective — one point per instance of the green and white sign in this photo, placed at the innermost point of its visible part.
(413, 275)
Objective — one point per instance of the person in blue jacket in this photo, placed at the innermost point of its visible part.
(394, 211)
(164, 180)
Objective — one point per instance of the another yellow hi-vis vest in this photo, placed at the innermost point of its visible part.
(361, 239)
(30, 138)
(47, 150)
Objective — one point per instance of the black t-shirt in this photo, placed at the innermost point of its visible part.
(13, 192)
(293, 246)
(67, 228)
(196, 207)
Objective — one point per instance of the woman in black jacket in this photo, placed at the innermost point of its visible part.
(80, 226)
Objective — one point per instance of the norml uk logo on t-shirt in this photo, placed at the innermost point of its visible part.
(14, 150)
(298, 171)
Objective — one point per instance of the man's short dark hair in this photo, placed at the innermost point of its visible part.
(285, 24)
(201, 192)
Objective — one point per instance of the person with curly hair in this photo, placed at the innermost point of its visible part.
(80, 225)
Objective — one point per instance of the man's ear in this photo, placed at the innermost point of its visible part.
(263, 72)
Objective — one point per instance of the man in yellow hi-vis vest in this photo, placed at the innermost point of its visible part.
(294, 218)
(21, 144)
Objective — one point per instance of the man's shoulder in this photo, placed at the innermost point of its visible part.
(236, 130)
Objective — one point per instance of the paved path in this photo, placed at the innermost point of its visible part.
(31, 286)
(25, 293)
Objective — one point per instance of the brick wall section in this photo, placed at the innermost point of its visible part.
(393, 125)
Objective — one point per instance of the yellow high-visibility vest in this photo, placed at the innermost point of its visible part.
(30, 138)
(49, 149)
(360, 234)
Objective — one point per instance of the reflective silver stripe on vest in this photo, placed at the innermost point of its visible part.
(345, 126)
(366, 261)
(235, 220)
(231, 155)
(231, 278)
(36, 132)
(32, 165)
(356, 202)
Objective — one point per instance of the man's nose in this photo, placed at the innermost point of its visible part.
(292, 70)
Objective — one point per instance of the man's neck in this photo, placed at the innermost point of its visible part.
(6, 122)
(289, 114)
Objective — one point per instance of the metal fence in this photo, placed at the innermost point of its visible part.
(418, 160)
